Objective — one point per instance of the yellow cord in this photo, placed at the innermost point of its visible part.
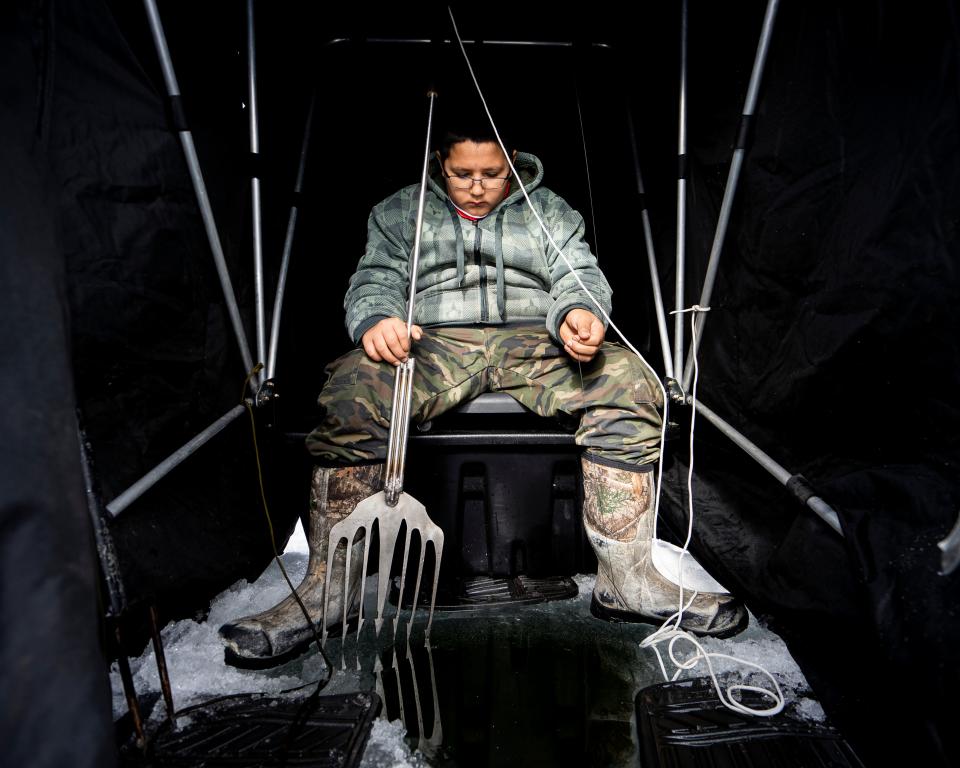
(266, 511)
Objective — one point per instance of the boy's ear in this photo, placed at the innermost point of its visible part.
(513, 156)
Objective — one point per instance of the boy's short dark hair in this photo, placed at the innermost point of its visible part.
(461, 120)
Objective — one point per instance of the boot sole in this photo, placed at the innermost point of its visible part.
(616, 616)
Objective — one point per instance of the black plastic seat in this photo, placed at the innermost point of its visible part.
(494, 418)
(504, 485)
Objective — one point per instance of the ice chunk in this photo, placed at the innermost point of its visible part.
(586, 583)
(387, 748)
(810, 709)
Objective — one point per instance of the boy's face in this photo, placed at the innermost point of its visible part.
(476, 161)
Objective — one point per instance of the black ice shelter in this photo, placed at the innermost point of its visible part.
(832, 340)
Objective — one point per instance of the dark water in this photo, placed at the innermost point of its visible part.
(540, 685)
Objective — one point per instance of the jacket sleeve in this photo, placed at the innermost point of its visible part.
(567, 230)
(379, 287)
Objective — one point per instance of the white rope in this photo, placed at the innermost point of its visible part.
(728, 696)
(670, 631)
(543, 227)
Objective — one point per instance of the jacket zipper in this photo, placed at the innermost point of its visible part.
(484, 310)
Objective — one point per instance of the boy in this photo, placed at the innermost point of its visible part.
(497, 309)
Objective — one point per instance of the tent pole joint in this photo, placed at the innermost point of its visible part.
(675, 392)
(266, 394)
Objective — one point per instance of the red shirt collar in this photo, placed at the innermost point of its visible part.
(464, 215)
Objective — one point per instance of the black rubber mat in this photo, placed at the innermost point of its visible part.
(490, 592)
(684, 725)
(254, 731)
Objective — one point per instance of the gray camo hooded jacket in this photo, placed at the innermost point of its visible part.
(497, 270)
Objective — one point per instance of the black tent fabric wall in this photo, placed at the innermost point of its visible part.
(154, 354)
(831, 340)
(52, 669)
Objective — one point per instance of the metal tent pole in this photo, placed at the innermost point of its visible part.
(255, 215)
(156, 474)
(796, 484)
(106, 551)
(113, 579)
(193, 164)
(288, 245)
(681, 196)
(651, 256)
(485, 43)
(733, 177)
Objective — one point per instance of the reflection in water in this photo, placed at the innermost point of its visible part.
(542, 685)
(404, 685)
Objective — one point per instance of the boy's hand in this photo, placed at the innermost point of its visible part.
(582, 334)
(387, 340)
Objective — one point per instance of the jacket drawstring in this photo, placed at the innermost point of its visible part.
(461, 271)
(501, 289)
(498, 252)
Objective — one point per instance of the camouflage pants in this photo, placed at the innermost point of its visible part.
(615, 395)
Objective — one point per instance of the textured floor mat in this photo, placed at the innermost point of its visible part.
(684, 725)
(251, 731)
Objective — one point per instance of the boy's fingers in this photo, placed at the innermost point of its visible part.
(370, 349)
(582, 323)
(585, 328)
(399, 327)
(596, 333)
(396, 342)
(579, 348)
(384, 349)
(583, 358)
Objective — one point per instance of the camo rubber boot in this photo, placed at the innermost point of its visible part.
(276, 633)
(619, 520)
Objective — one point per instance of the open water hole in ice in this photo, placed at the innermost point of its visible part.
(532, 685)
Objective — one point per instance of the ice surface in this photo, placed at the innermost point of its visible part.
(194, 652)
(759, 645)
(195, 658)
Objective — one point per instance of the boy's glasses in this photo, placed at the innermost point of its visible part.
(466, 182)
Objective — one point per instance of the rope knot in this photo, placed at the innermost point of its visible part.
(693, 308)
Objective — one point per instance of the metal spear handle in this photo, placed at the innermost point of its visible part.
(403, 383)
